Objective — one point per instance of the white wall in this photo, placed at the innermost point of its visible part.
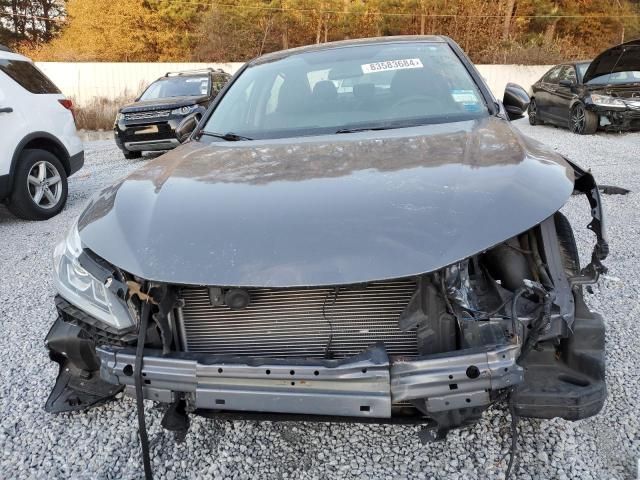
(85, 81)
(497, 76)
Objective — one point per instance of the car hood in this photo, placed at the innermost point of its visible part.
(162, 104)
(621, 58)
(326, 210)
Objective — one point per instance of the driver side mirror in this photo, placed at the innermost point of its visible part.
(516, 101)
(186, 127)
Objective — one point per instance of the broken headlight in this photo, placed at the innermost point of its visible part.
(76, 285)
(606, 101)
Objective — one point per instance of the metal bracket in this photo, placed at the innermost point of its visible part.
(586, 184)
(562, 286)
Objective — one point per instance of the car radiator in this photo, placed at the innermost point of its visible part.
(306, 322)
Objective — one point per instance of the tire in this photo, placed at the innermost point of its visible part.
(533, 114)
(568, 247)
(132, 155)
(582, 121)
(35, 177)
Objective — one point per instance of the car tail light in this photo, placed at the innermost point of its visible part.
(68, 104)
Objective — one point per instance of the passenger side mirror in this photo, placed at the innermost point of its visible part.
(567, 83)
(516, 101)
(186, 127)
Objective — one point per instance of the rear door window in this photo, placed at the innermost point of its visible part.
(27, 75)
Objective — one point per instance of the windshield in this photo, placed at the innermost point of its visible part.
(367, 86)
(177, 87)
(582, 69)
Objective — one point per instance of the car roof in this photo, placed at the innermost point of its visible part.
(195, 73)
(572, 64)
(9, 55)
(270, 57)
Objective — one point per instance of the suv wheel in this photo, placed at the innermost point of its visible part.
(39, 186)
(132, 155)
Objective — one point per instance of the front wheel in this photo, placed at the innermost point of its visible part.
(39, 186)
(533, 114)
(582, 121)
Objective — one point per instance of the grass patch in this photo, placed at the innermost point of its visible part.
(99, 114)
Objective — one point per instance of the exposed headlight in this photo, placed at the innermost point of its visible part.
(184, 110)
(606, 101)
(76, 285)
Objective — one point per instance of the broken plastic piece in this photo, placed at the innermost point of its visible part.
(78, 386)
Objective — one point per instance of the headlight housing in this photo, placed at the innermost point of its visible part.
(184, 110)
(606, 101)
(79, 287)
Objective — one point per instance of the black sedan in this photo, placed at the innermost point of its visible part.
(149, 123)
(354, 231)
(585, 96)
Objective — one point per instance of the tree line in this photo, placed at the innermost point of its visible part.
(490, 31)
(30, 22)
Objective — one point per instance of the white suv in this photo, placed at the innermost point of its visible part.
(39, 145)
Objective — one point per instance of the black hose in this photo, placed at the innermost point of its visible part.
(542, 269)
(514, 309)
(514, 439)
(542, 321)
(489, 315)
(142, 428)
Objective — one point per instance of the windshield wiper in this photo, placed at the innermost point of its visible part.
(229, 136)
(365, 129)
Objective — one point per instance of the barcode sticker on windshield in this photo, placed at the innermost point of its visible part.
(392, 65)
(464, 96)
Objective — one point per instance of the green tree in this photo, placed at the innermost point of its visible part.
(30, 21)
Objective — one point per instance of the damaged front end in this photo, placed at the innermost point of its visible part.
(436, 348)
(621, 113)
(92, 309)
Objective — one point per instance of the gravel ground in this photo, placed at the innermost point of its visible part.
(102, 443)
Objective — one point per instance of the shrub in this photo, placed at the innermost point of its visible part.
(99, 113)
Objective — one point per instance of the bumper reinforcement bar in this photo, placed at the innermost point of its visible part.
(357, 387)
(365, 385)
